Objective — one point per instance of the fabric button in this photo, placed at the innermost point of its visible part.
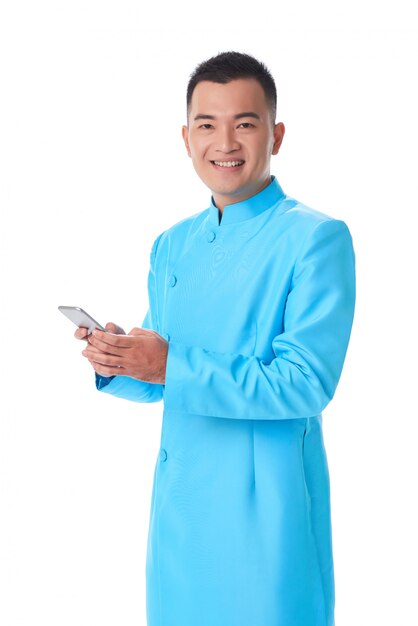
(210, 236)
(172, 280)
(163, 454)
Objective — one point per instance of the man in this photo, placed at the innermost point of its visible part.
(251, 304)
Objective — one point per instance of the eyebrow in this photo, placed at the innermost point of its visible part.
(204, 116)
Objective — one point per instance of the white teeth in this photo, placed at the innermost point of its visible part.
(228, 163)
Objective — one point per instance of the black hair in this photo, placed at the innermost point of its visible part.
(227, 66)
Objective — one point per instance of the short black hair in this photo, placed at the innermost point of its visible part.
(227, 66)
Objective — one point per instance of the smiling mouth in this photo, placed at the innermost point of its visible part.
(228, 165)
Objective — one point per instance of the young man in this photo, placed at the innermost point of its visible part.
(251, 304)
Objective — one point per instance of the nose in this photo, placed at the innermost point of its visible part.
(226, 140)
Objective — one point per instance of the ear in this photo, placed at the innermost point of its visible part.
(278, 133)
(185, 134)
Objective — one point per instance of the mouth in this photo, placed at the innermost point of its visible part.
(228, 165)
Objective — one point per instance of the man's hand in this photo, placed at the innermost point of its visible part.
(141, 354)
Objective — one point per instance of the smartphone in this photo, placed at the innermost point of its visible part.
(81, 318)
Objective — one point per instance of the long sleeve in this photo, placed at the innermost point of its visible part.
(309, 354)
(125, 386)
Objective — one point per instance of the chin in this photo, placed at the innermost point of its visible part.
(227, 190)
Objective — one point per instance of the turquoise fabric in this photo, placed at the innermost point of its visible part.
(257, 308)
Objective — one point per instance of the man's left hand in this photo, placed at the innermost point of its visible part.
(141, 354)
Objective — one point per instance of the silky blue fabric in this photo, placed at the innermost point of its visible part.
(257, 308)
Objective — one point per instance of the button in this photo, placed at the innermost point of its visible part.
(163, 454)
(210, 236)
(172, 280)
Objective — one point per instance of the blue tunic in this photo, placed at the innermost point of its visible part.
(257, 309)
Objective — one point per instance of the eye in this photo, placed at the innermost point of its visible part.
(247, 124)
(205, 125)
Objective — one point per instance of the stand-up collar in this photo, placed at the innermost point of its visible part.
(244, 210)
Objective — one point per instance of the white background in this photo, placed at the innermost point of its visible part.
(92, 169)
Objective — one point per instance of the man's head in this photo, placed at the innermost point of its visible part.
(231, 110)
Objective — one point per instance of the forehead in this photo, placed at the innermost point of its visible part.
(243, 94)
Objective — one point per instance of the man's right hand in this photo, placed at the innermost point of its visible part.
(82, 333)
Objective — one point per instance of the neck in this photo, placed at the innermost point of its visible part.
(221, 200)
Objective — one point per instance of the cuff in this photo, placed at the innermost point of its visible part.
(102, 381)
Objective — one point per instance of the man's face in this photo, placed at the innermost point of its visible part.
(228, 124)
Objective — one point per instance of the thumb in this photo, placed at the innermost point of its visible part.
(114, 329)
(141, 331)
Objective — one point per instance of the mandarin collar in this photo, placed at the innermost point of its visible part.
(246, 209)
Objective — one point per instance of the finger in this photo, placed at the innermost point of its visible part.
(107, 348)
(104, 370)
(115, 329)
(121, 341)
(91, 351)
(103, 359)
(142, 331)
(81, 333)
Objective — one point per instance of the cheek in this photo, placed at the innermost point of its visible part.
(199, 147)
(262, 151)
(264, 144)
